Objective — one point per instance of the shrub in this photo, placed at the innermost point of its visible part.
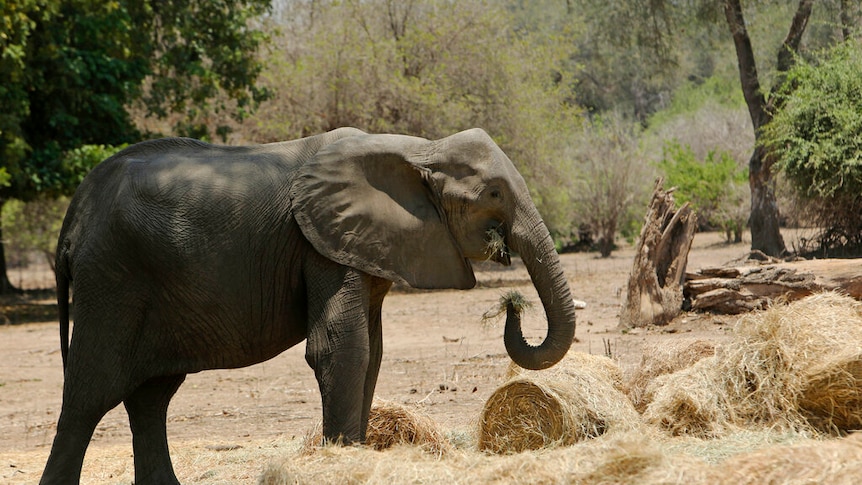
(714, 186)
(817, 137)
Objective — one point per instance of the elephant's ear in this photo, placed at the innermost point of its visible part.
(362, 203)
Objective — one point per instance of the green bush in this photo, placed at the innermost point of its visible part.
(31, 228)
(714, 187)
(817, 137)
(817, 134)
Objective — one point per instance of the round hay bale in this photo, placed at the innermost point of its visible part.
(540, 409)
(391, 424)
(572, 365)
(663, 358)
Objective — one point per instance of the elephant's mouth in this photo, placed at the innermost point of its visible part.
(496, 247)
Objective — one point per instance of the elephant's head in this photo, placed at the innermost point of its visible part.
(416, 211)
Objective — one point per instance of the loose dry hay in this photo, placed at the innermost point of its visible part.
(749, 457)
(689, 402)
(792, 366)
(621, 458)
(579, 398)
(836, 462)
(391, 424)
(832, 397)
(663, 358)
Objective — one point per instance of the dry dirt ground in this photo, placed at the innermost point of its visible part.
(438, 356)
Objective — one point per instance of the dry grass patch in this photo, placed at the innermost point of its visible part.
(793, 366)
(663, 358)
(836, 462)
(632, 458)
(626, 457)
(391, 424)
(580, 398)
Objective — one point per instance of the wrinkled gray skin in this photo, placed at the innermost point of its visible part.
(186, 256)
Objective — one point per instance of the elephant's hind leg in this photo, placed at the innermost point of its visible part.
(94, 384)
(78, 420)
(148, 409)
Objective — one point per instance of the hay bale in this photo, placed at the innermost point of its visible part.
(663, 358)
(573, 364)
(831, 397)
(391, 424)
(688, 402)
(769, 373)
(837, 462)
(539, 409)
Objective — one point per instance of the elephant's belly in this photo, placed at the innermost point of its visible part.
(222, 343)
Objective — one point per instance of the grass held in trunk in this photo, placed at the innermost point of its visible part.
(518, 301)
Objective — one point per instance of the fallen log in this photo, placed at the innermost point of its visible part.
(740, 289)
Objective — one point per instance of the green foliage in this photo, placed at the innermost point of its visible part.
(79, 161)
(691, 97)
(817, 137)
(71, 68)
(714, 186)
(32, 228)
(197, 49)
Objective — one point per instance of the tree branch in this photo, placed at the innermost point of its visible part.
(747, 66)
(794, 36)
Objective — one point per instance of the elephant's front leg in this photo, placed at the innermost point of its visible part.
(338, 347)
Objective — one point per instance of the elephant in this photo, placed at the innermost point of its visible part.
(183, 256)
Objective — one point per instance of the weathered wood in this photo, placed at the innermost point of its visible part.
(654, 295)
(740, 289)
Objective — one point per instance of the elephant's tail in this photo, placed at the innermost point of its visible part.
(63, 308)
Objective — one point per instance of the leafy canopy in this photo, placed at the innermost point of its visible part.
(817, 135)
(71, 68)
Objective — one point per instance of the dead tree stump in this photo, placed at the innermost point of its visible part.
(654, 295)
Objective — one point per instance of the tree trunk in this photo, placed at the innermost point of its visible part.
(765, 234)
(764, 218)
(654, 294)
(6, 286)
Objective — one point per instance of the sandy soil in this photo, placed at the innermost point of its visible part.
(438, 356)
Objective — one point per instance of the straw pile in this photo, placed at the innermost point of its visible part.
(579, 398)
(621, 458)
(574, 365)
(391, 424)
(836, 462)
(832, 395)
(663, 358)
(794, 367)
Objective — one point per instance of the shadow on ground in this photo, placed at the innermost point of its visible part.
(28, 306)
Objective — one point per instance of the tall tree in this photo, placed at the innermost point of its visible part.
(764, 220)
(71, 68)
(658, 26)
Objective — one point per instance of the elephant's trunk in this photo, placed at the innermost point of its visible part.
(531, 239)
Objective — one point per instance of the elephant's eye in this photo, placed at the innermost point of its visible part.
(496, 194)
